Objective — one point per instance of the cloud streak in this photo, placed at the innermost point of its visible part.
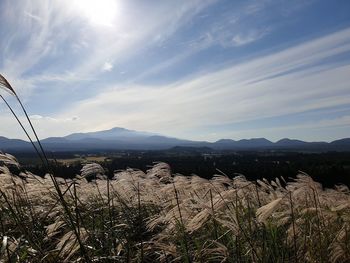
(268, 86)
(181, 68)
(48, 42)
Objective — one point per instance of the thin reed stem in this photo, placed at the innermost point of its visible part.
(293, 225)
(213, 212)
(25, 131)
(182, 226)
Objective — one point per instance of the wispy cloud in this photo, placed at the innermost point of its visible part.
(37, 18)
(178, 67)
(37, 117)
(264, 87)
(107, 66)
(247, 38)
(268, 86)
(47, 41)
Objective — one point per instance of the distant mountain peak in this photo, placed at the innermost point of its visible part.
(243, 143)
(289, 142)
(225, 141)
(119, 129)
(255, 140)
(115, 133)
(345, 141)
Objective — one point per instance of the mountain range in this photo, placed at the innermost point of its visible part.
(124, 139)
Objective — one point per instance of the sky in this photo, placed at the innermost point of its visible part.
(194, 69)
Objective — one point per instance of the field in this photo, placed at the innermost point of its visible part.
(80, 160)
(161, 217)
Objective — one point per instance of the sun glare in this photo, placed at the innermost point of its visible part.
(97, 12)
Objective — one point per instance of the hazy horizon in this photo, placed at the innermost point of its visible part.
(210, 141)
(197, 70)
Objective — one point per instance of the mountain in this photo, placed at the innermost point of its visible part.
(289, 143)
(255, 143)
(115, 138)
(342, 142)
(55, 140)
(226, 144)
(8, 144)
(341, 145)
(124, 139)
(117, 132)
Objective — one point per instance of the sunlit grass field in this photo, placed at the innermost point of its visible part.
(163, 217)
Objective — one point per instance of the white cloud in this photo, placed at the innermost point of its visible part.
(37, 18)
(264, 87)
(36, 117)
(46, 40)
(107, 66)
(39, 118)
(247, 38)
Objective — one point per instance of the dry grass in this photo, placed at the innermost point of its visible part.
(161, 217)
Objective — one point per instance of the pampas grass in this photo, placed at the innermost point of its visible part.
(137, 217)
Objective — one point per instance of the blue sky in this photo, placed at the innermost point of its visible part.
(200, 70)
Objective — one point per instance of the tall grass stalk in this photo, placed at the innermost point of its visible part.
(182, 227)
(5, 84)
(25, 131)
(293, 227)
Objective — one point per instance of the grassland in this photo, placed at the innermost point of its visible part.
(159, 216)
(83, 159)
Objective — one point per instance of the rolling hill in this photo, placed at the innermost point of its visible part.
(123, 139)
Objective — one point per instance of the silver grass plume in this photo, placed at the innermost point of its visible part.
(5, 85)
(265, 211)
(8, 159)
(92, 169)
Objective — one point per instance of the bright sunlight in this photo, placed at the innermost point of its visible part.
(97, 12)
